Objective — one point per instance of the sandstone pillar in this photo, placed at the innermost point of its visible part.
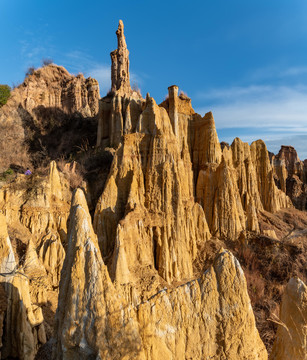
(173, 107)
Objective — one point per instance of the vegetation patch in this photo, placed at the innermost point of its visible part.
(5, 93)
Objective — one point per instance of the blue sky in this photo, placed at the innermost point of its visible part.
(245, 60)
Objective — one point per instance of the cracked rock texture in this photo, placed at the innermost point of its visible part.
(23, 330)
(194, 320)
(92, 320)
(207, 318)
(291, 337)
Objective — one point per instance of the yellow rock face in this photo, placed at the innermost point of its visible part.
(92, 320)
(272, 198)
(52, 87)
(148, 205)
(208, 318)
(36, 209)
(23, 320)
(128, 287)
(291, 338)
(233, 190)
(38, 204)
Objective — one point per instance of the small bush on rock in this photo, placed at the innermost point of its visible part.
(5, 92)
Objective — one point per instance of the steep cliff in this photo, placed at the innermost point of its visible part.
(92, 320)
(291, 337)
(20, 312)
(35, 209)
(148, 197)
(39, 203)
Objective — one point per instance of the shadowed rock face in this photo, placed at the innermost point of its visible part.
(291, 338)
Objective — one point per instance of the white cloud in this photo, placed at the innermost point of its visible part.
(294, 71)
(278, 107)
(275, 114)
(102, 73)
(277, 72)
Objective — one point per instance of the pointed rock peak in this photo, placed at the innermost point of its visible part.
(78, 198)
(210, 119)
(120, 65)
(7, 258)
(258, 143)
(54, 175)
(121, 41)
(33, 266)
(209, 115)
(173, 91)
(236, 141)
(91, 318)
(296, 289)
(227, 266)
(80, 229)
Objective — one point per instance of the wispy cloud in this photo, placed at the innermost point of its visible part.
(102, 73)
(34, 48)
(276, 114)
(277, 72)
(278, 107)
(295, 71)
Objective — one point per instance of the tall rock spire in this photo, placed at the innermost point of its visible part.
(120, 64)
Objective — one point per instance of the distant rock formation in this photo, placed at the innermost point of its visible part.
(291, 338)
(47, 115)
(53, 87)
(291, 175)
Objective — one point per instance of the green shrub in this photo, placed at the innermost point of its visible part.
(6, 174)
(5, 92)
